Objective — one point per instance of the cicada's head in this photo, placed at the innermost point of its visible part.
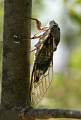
(53, 24)
(55, 33)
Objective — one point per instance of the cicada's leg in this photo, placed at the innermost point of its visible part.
(36, 37)
(39, 43)
(40, 36)
(38, 23)
(33, 50)
(39, 28)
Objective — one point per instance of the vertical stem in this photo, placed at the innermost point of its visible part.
(16, 58)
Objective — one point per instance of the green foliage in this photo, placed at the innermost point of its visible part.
(76, 16)
(1, 23)
(64, 92)
(75, 60)
(78, 1)
(74, 9)
(37, 7)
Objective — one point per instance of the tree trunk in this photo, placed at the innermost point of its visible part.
(16, 60)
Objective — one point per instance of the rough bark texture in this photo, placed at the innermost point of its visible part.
(16, 65)
(49, 113)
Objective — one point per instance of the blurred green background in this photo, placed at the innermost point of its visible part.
(65, 90)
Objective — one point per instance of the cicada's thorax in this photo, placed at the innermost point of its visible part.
(55, 33)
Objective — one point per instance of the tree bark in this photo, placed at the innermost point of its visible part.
(16, 59)
(49, 113)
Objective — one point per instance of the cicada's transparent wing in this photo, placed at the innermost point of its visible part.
(42, 69)
(43, 65)
(39, 88)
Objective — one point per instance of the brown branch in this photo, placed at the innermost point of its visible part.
(49, 113)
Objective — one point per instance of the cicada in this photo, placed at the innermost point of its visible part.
(43, 64)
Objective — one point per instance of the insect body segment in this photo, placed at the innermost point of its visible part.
(40, 78)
